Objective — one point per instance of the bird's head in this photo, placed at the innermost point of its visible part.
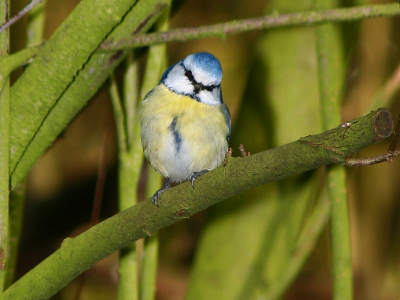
(198, 76)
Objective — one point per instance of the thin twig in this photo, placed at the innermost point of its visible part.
(20, 14)
(266, 22)
(235, 27)
(367, 161)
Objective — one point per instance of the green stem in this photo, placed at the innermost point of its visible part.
(155, 66)
(267, 22)
(36, 22)
(128, 271)
(340, 235)
(331, 74)
(129, 171)
(131, 93)
(148, 282)
(35, 29)
(4, 148)
(118, 115)
(13, 61)
(233, 177)
(17, 199)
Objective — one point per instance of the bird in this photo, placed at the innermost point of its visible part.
(184, 124)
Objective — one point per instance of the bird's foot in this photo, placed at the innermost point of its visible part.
(227, 156)
(243, 151)
(157, 194)
(195, 175)
(229, 153)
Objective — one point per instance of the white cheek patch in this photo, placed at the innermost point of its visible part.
(178, 82)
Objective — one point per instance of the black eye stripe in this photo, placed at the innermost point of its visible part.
(190, 76)
(199, 86)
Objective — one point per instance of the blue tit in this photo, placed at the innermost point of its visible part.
(185, 125)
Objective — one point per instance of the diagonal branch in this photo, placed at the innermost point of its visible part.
(240, 26)
(235, 176)
(273, 20)
(20, 14)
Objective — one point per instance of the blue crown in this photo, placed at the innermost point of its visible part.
(208, 62)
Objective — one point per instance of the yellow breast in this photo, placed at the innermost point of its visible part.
(180, 135)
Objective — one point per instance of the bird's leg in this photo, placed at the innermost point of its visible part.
(195, 175)
(157, 194)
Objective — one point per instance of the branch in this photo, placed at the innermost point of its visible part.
(20, 14)
(357, 162)
(13, 61)
(240, 26)
(388, 156)
(267, 22)
(236, 176)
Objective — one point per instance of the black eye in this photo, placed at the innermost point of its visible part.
(209, 88)
(189, 75)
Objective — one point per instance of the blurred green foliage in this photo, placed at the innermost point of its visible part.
(240, 248)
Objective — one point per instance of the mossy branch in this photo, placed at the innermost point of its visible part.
(234, 176)
(273, 20)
